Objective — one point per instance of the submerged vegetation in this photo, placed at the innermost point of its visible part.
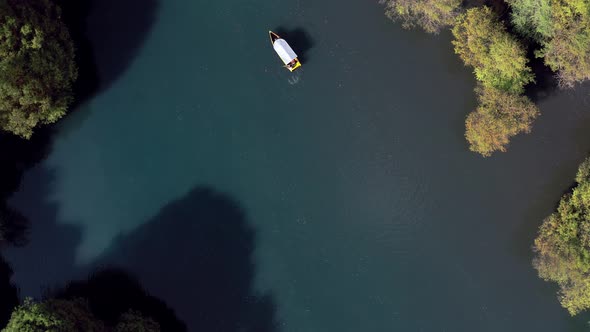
(37, 67)
(562, 247)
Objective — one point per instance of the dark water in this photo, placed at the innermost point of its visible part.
(338, 198)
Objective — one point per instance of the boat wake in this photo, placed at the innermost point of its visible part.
(294, 79)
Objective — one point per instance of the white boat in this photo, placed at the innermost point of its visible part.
(285, 52)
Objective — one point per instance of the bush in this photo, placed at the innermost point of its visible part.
(499, 116)
(430, 15)
(37, 67)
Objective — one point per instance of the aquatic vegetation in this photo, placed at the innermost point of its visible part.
(499, 116)
(562, 28)
(37, 67)
(562, 247)
(430, 15)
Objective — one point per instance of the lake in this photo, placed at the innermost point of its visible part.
(341, 197)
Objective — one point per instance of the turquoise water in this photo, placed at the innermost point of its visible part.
(338, 198)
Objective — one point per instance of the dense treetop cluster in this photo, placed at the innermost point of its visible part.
(37, 67)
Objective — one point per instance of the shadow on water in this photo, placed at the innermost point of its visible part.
(112, 292)
(545, 84)
(49, 256)
(17, 157)
(108, 35)
(8, 292)
(196, 254)
(299, 39)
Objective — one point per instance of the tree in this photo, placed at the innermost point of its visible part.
(499, 60)
(562, 247)
(58, 315)
(430, 15)
(562, 28)
(37, 67)
(53, 316)
(499, 116)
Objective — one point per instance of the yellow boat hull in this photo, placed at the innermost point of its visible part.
(295, 66)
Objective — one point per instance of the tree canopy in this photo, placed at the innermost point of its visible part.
(74, 315)
(562, 28)
(498, 59)
(37, 68)
(53, 316)
(562, 247)
(430, 15)
(499, 116)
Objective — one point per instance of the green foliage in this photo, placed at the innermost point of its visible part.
(72, 316)
(53, 316)
(134, 321)
(562, 246)
(562, 28)
(500, 116)
(532, 18)
(37, 67)
(430, 15)
(499, 60)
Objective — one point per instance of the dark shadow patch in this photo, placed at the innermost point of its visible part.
(196, 254)
(108, 35)
(49, 257)
(545, 84)
(298, 39)
(112, 292)
(18, 155)
(14, 227)
(8, 293)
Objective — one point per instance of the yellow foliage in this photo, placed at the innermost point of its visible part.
(430, 15)
(499, 116)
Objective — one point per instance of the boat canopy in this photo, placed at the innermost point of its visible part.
(284, 51)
